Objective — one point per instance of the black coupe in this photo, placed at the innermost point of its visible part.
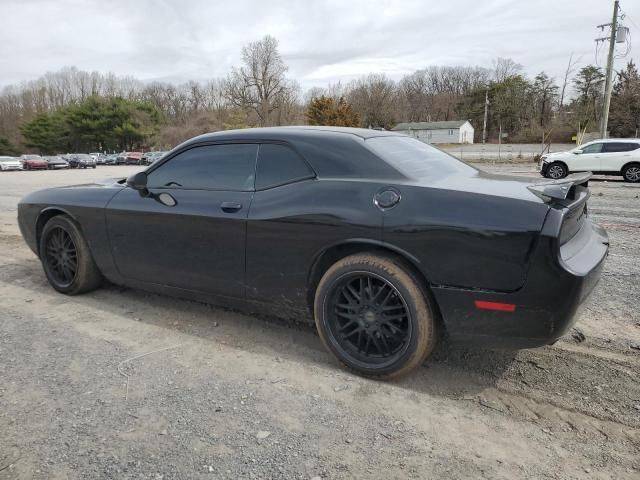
(380, 238)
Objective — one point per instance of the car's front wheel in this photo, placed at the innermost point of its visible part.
(66, 257)
(631, 173)
(374, 315)
(556, 170)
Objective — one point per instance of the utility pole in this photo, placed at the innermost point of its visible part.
(608, 80)
(486, 110)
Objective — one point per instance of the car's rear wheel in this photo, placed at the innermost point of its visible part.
(66, 257)
(556, 170)
(374, 316)
(631, 173)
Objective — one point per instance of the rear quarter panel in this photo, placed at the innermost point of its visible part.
(465, 239)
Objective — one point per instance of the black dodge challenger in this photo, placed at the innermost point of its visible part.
(384, 240)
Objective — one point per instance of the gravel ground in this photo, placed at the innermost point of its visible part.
(123, 384)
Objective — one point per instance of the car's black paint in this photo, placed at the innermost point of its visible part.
(470, 235)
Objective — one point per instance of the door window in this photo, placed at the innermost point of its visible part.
(593, 148)
(209, 167)
(278, 165)
(613, 147)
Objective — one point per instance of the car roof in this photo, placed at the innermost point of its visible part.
(613, 140)
(284, 133)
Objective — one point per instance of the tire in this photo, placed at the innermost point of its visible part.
(343, 321)
(58, 234)
(631, 173)
(93, 166)
(556, 170)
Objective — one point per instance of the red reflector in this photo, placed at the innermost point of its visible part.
(501, 307)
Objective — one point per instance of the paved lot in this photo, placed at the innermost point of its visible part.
(218, 394)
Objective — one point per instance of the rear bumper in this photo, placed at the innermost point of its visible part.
(545, 307)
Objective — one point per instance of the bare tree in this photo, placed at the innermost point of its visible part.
(504, 68)
(571, 66)
(374, 100)
(260, 84)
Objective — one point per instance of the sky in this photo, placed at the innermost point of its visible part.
(322, 42)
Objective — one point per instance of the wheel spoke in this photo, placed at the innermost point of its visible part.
(350, 334)
(348, 316)
(347, 325)
(387, 350)
(367, 343)
(376, 343)
(353, 294)
(346, 306)
(398, 316)
(360, 335)
(390, 333)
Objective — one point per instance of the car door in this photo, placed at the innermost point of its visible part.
(589, 160)
(293, 217)
(616, 154)
(198, 243)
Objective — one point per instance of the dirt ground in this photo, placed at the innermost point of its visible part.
(127, 385)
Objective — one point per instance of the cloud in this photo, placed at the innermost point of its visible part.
(321, 41)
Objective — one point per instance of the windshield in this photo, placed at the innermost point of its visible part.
(414, 158)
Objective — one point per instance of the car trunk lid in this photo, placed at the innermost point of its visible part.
(572, 193)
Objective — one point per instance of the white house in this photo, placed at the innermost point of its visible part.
(454, 131)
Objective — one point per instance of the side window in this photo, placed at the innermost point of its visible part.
(618, 147)
(593, 148)
(278, 165)
(210, 167)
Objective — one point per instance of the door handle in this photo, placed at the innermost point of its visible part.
(230, 207)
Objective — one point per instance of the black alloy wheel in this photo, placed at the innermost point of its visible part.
(369, 318)
(61, 256)
(374, 314)
(66, 258)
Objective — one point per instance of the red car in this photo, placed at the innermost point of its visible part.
(33, 162)
(133, 158)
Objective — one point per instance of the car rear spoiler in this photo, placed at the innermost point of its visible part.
(559, 190)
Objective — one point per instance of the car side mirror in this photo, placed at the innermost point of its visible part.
(138, 181)
(577, 152)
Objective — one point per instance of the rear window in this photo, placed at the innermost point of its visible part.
(414, 158)
(278, 165)
(612, 147)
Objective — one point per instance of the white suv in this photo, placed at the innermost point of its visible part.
(608, 157)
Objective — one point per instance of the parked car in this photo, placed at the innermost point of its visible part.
(99, 158)
(121, 158)
(617, 156)
(150, 158)
(110, 159)
(10, 163)
(33, 162)
(81, 160)
(55, 162)
(383, 239)
(133, 158)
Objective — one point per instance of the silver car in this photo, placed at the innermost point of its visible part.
(10, 163)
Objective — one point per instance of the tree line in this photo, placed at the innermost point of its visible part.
(73, 110)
